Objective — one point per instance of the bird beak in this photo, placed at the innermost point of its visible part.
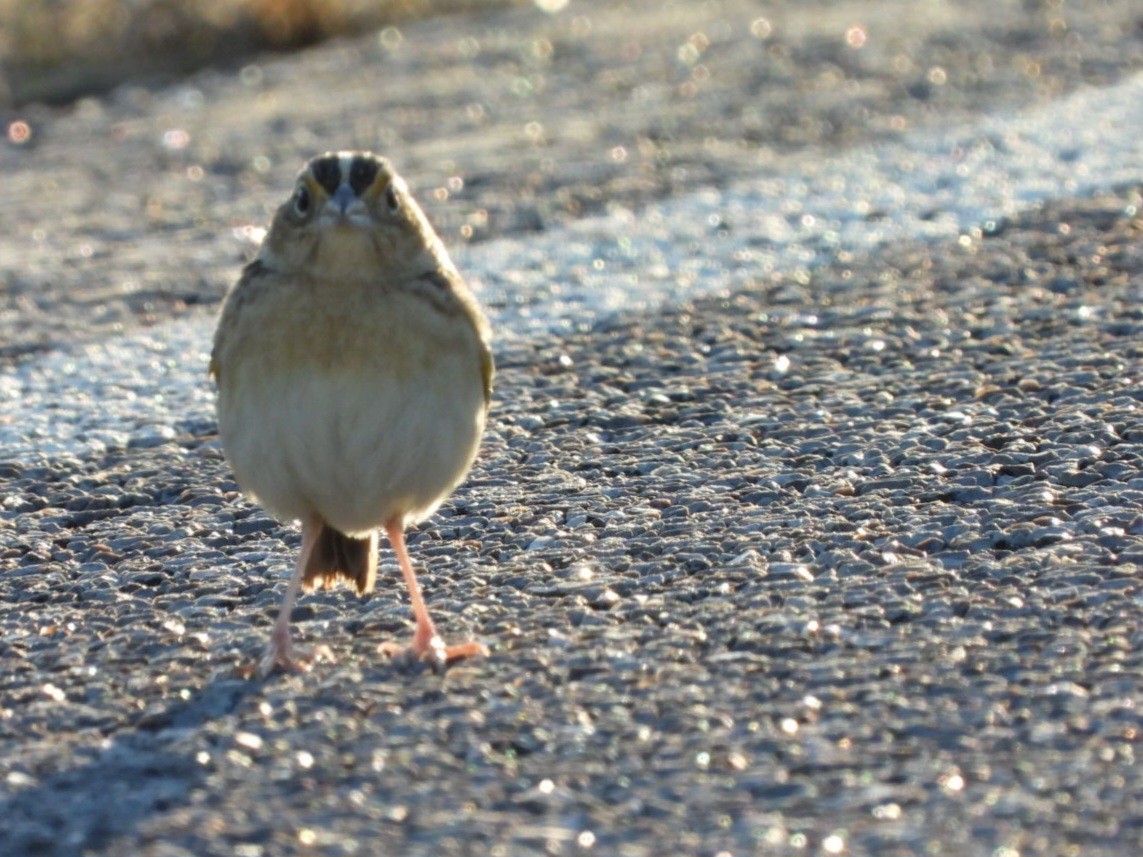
(343, 198)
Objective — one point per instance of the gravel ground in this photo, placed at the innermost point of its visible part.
(843, 561)
(900, 606)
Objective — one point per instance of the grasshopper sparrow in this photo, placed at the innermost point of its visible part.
(354, 375)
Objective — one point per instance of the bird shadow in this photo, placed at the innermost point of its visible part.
(142, 771)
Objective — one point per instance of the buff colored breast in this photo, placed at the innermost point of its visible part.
(359, 406)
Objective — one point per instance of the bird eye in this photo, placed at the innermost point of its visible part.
(393, 200)
(302, 200)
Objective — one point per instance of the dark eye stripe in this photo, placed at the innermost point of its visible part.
(327, 173)
(362, 173)
(438, 280)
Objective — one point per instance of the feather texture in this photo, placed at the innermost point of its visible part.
(354, 377)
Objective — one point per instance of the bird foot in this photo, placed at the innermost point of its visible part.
(284, 655)
(432, 652)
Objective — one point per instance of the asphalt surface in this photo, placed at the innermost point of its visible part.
(841, 559)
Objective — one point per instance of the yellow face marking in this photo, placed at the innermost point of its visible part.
(317, 192)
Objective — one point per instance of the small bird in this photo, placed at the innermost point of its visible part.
(354, 376)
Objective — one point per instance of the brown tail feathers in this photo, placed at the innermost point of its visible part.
(337, 555)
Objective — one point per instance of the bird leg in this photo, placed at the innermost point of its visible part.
(281, 652)
(427, 644)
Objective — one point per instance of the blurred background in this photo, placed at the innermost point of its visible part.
(130, 127)
(57, 50)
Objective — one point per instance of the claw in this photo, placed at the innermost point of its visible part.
(291, 658)
(432, 651)
(282, 654)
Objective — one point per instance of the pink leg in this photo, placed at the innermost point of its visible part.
(281, 651)
(426, 645)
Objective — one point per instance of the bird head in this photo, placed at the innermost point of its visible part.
(349, 212)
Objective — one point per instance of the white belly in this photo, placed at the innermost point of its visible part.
(359, 448)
